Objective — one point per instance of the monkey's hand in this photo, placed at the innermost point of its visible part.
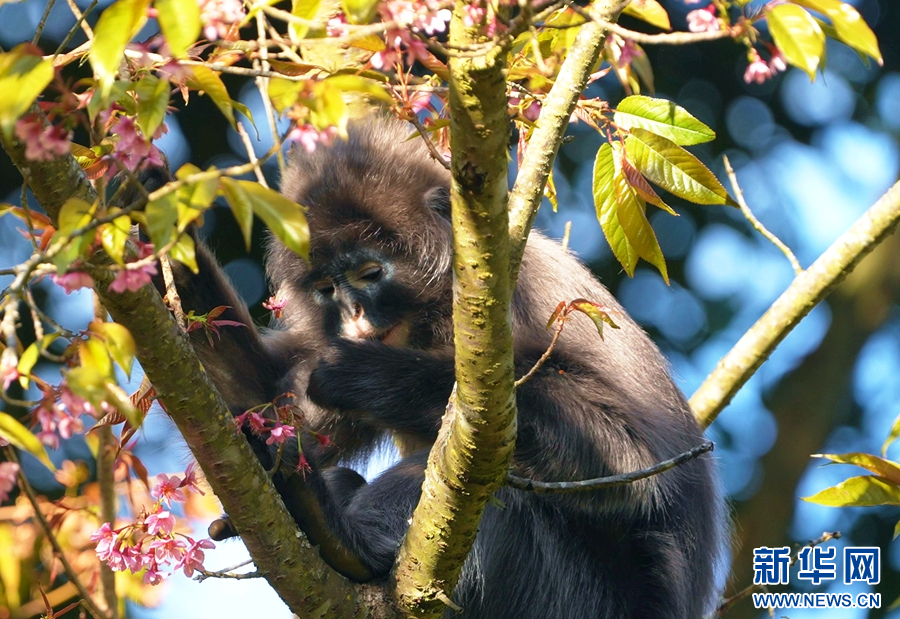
(400, 389)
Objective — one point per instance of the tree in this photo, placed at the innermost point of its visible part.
(532, 60)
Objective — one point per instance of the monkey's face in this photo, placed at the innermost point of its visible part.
(361, 295)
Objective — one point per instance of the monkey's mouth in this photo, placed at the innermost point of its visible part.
(395, 335)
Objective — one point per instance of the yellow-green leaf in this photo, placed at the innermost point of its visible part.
(284, 93)
(93, 353)
(113, 237)
(668, 165)
(359, 84)
(194, 198)
(884, 468)
(88, 382)
(184, 252)
(304, 9)
(152, 101)
(798, 36)
(632, 213)
(359, 11)
(207, 80)
(116, 396)
(284, 217)
(118, 342)
(30, 357)
(649, 11)
(23, 76)
(179, 21)
(161, 215)
(596, 313)
(18, 435)
(863, 491)
(241, 207)
(892, 436)
(115, 28)
(73, 215)
(606, 206)
(849, 26)
(663, 118)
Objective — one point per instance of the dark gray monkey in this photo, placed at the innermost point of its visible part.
(366, 345)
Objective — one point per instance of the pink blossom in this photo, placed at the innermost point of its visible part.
(167, 549)
(309, 137)
(275, 306)
(703, 20)
(132, 151)
(9, 370)
(50, 439)
(153, 576)
(473, 14)
(190, 479)
(257, 423)
(130, 279)
(336, 26)
(280, 434)
(73, 280)
(160, 521)
(75, 405)
(692, 1)
(629, 52)
(418, 16)
(8, 472)
(218, 16)
(69, 426)
(777, 63)
(757, 71)
(167, 489)
(42, 143)
(193, 556)
(105, 539)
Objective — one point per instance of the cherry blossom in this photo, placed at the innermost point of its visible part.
(132, 151)
(73, 280)
(42, 143)
(218, 16)
(276, 306)
(280, 434)
(309, 137)
(703, 20)
(167, 489)
(8, 472)
(193, 556)
(160, 521)
(757, 71)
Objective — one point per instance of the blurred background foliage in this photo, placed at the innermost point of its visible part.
(810, 157)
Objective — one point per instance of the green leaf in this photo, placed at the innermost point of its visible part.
(649, 11)
(194, 198)
(113, 237)
(359, 11)
(798, 36)
(663, 118)
(93, 354)
(207, 80)
(849, 26)
(23, 76)
(152, 101)
(184, 252)
(884, 468)
(304, 9)
(240, 207)
(18, 435)
(73, 215)
(596, 312)
(30, 357)
(607, 206)
(863, 491)
(161, 215)
(358, 84)
(118, 342)
(284, 93)
(284, 217)
(674, 169)
(892, 436)
(115, 28)
(179, 21)
(633, 219)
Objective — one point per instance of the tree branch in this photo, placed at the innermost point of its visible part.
(804, 293)
(469, 461)
(527, 193)
(291, 566)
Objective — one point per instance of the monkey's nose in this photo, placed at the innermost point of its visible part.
(357, 311)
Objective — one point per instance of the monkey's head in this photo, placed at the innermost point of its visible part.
(378, 208)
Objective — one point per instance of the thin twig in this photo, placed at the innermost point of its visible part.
(251, 154)
(745, 209)
(599, 483)
(561, 322)
(173, 300)
(79, 23)
(428, 143)
(28, 491)
(262, 84)
(43, 22)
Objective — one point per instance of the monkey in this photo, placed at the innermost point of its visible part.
(365, 345)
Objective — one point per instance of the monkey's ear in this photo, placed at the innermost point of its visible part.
(438, 200)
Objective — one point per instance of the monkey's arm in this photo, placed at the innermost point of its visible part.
(400, 389)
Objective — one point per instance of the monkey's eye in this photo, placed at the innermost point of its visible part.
(324, 288)
(370, 272)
